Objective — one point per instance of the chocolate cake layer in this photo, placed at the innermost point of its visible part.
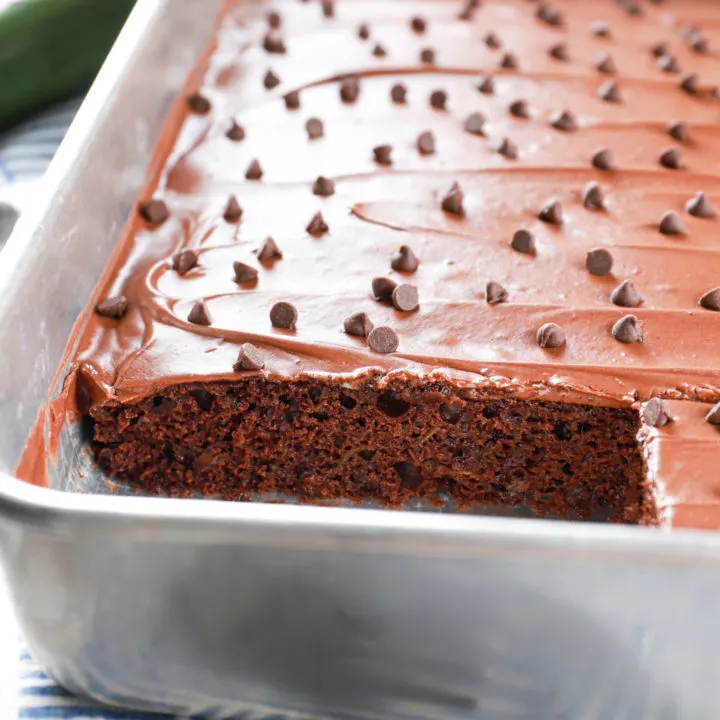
(516, 198)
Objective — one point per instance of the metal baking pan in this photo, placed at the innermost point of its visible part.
(270, 611)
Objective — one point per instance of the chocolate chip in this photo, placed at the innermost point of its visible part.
(409, 475)
(292, 100)
(155, 211)
(438, 99)
(405, 297)
(609, 92)
(625, 295)
(468, 9)
(678, 131)
(244, 273)
(671, 224)
(523, 242)
(383, 154)
(324, 187)
(254, 171)
(404, 260)
(509, 62)
(328, 8)
(271, 80)
(671, 158)
(495, 293)
(349, 89)
(699, 44)
(269, 251)
(382, 288)
(655, 413)
(314, 128)
(507, 149)
(492, 41)
(249, 358)
(418, 24)
(713, 415)
(549, 15)
(519, 109)
(563, 120)
(631, 7)
(426, 143)
(453, 200)
(274, 20)
(550, 336)
(198, 103)
(628, 330)
(559, 52)
(112, 307)
(398, 93)
(283, 315)
(551, 213)
(363, 31)
(599, 262)
(317, 225)
(273, 43)
(668, 64)
(379, 50)
(235, 132)
(699, 206)
(603, 159)
(711, 300)
(600, 29)
(233, 212)
(383, 340)
(427, 56)
(690, 84)
(475, 124)
(605, 64)
(358, 324)
(184, 261)
(199, 314)
(592, 197)
(659, 49)
(487, 85)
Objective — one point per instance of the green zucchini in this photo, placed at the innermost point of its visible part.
(51, 50)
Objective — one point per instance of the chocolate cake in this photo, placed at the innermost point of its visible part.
(462, 252)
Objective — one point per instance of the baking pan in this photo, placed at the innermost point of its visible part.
(272, 611)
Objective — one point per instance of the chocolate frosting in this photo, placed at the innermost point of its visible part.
(378, 207)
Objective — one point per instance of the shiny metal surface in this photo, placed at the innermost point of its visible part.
(288, 611)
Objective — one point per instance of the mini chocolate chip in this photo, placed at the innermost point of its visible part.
(112, 307)
(625, 295)
(292, 100)
(559, 52)
(254, 171)
(700, 206)
(549, 15)
(605, 64)
(358, 324)
(678, 131)
(603, 159)
(383, 340)
(507, 149)
(631, 7)
(659, 49)
(469, 9)
(405, 297)
(404, 260)
(655, 413)
(426, 143)
(269, 251)
(711, 300)
(551, 213)
(550, 336)
(349, 89)
(668, 64)
(184, 261)
(519, 109)
(273, 19)
(509, 61)
(199, 314)
(314, 128)
(363, 31)
(690, 84)
(198, 103)
(438, 99)
(453, 200)
(233, 212)
(398, 93)
(671, 158)
(492, 41)
(593, 197)
(383, 154)
(418, 24)
(523, 242)
(699, 44)
(600, 29)
(487, 85)
(427, 56)
(317, 225)
(324, 187)
(671, 224)
(609, 92)
(628, 330)
(475, 124)
(271, 80)
(274, 43)
(328, 8)
(283, 315)
(235, 132)
(249, 358)
(563, 120)
(244, 273)
(713, 415)
(495, 293)
(599, 262)
(379, 50)
(382, 288)
(155, 211)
